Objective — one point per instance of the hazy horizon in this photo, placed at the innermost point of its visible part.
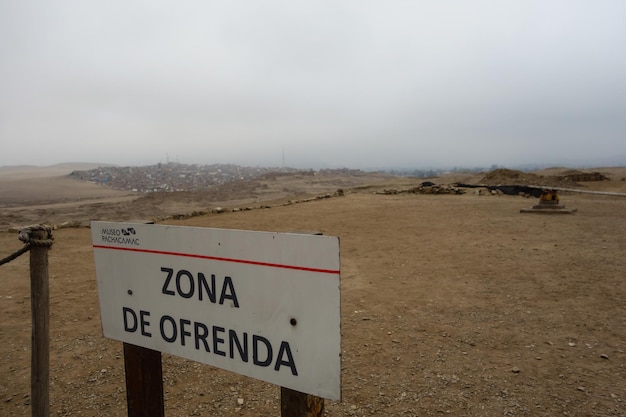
(87, 165)
(314, 85)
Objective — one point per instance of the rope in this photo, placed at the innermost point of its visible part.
(25, 236)
(20, 252)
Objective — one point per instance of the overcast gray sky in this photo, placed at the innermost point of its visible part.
(359, 84)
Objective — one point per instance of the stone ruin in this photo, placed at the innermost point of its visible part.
(425, 188)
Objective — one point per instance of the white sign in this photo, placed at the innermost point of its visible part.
(265, 305)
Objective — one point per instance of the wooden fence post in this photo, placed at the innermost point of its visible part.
(40, 311)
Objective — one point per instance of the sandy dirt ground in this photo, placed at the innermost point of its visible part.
(451, 305)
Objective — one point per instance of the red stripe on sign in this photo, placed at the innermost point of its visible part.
(216, 258)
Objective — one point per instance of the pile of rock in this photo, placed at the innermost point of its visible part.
(425, 188)
(580, 176)
(437, 189)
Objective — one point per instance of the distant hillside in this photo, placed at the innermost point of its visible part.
(73, 166)
(32, 171)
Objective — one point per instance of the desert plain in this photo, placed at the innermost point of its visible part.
(452, 304)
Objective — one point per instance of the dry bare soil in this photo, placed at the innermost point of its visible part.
(451, 304)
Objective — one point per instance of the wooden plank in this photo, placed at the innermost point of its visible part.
(144, 382)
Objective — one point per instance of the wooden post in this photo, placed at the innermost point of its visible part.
(297, 404)
(40, 341)
(144, 382)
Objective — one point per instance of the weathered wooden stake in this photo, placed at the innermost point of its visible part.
(40, 341)
(297, 404)
(144, 382)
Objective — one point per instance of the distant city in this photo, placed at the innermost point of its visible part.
(170, 177)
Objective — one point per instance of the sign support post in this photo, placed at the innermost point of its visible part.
(298, 404)
(144, 382)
